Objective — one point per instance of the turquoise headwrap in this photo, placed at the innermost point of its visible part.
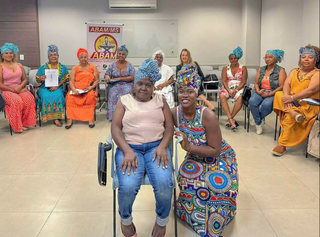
(52, 48)
(9, 47)
(237, 52)
(303, 51)
(123, 48)
(148, 68)
(188, 76)
(277, 53)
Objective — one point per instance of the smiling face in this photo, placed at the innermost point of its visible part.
(53, 57)
(143, 89)
(8, 56)
(122, 56)
(187, 96)
(269, 59)
(159, 58)
(233, 60)
(307, 61)
(83, 58)
(184, 57)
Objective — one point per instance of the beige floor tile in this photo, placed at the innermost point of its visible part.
(245, 200)
(274, 190)
(33, 193)
(298, 163)
(73, 141)
(89, 163)
(5, 181)
(294, 223)
(57, 162)
(85, 194)
(22, 224)
(80, 224)
(310, 180)
(249, 223)
(16, 161)
(235, 139)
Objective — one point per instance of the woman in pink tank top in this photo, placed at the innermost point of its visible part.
(20, 103)
(142, 128)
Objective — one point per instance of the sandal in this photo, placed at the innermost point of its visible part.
(232, 127)
(134, 228)
(299, 118)
(162, 229)
(57, 122)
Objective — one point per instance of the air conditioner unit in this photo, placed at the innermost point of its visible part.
(133, 4)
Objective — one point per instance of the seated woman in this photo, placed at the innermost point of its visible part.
(51, 99)
(269, 80)
(142, 128)
(297, 118)
(234, 78)
(20, 103)
(208, 177)
(120, 77)
(163, 86)
(185, 58)
(81, 99)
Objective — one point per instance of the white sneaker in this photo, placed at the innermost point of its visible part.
(25, 129)
(259, 129)
(252, 122)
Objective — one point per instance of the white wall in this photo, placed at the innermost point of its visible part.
(288, 25)
(210, 29)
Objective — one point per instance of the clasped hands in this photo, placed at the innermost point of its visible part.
(263, 93)
(287, 102)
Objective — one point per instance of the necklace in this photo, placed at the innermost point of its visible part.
(301, 77)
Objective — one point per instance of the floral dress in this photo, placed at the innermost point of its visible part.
(208, 185)
(233, 82)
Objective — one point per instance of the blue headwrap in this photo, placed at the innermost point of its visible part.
(123, 48)
(9, 47)
(237, 52)
(188, 76)
(277, 53)
(148, 68)
(303, 51)
(52, 48)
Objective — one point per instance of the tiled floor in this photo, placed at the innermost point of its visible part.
(48, 186)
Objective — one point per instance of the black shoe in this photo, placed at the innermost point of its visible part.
(68, 126)
(91, 125)
(236, 123)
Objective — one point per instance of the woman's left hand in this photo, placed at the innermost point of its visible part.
(89, 88)
(286, 99)
(162, 155)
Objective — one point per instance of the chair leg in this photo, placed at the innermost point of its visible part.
(307, 147)
(275, 128)
(245, 118)
(248, 120)
(65, 115)
(10, 129)
(175, 213)
(39, 119)
(218, 110)
(114, 213)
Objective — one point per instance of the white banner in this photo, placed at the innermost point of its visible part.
(103, 41)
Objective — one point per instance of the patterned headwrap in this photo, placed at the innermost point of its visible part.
(303, 51)
(53, 49)
(277, 53)
(123, 48)
(148, 68)
(158, 52)
(237, 52)
(9, 47)
(81, 51)
(188, 76)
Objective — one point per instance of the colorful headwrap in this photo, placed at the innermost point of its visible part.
(303, 51)
(148, 68)
(9, 47)
(188, 76)
(123, 48)
(53, 49)
(81, 51)
(277, 53)
(158, 52)
(237, 52)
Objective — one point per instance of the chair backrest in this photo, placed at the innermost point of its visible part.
(32, 77)
(252, 72)
(221, 67)
(217, 72)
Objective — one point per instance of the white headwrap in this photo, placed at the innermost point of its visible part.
(158, 52)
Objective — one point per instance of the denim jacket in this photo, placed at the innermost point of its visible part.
(274, 76)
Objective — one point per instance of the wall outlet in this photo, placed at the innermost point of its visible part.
(21, 57)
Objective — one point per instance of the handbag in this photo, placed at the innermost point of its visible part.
(246, 95)
(211, 86)
(2, 102)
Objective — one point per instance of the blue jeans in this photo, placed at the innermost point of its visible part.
(260, 107)
(160, 179)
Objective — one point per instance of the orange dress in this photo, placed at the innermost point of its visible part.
(81, 107)
(295, 133)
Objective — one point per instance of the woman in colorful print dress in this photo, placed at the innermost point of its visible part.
(120, 77)
(51, 99)
(208, 177)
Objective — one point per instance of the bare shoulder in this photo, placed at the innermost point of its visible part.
(208, 115)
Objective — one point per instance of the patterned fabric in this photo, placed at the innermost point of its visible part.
(53, 49)
(303, 51)
(188, 76)
(20, 110)
(119, 88)
(167, 92)
(277, 53)
(237, 52)
(9, 47)
(158, 52)
(208, 185)
(148, 68)
(51, 103)
(82, 51)
(124, 49)
(233, 82)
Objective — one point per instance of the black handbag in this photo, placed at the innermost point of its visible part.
(2, 102)
(211, 86)
(246, 95)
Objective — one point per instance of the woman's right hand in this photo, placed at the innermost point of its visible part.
(184, 143)
(260, 92)
(107, 78)
(43, 78)
(129, 160)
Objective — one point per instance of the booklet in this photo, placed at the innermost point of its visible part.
(80, 91)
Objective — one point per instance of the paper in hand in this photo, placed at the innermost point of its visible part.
(51, 77)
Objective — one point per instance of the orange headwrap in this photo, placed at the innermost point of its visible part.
(81, 51)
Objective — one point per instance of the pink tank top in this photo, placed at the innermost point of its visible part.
(10, 78)
(143, 122)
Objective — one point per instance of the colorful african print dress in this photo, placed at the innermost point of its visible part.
(208, 185)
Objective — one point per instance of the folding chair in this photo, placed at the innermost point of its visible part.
(102, 174)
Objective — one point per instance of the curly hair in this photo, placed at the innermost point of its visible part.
(317, 52)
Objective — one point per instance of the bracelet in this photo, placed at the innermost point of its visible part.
(190, 149)
(292, 97)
